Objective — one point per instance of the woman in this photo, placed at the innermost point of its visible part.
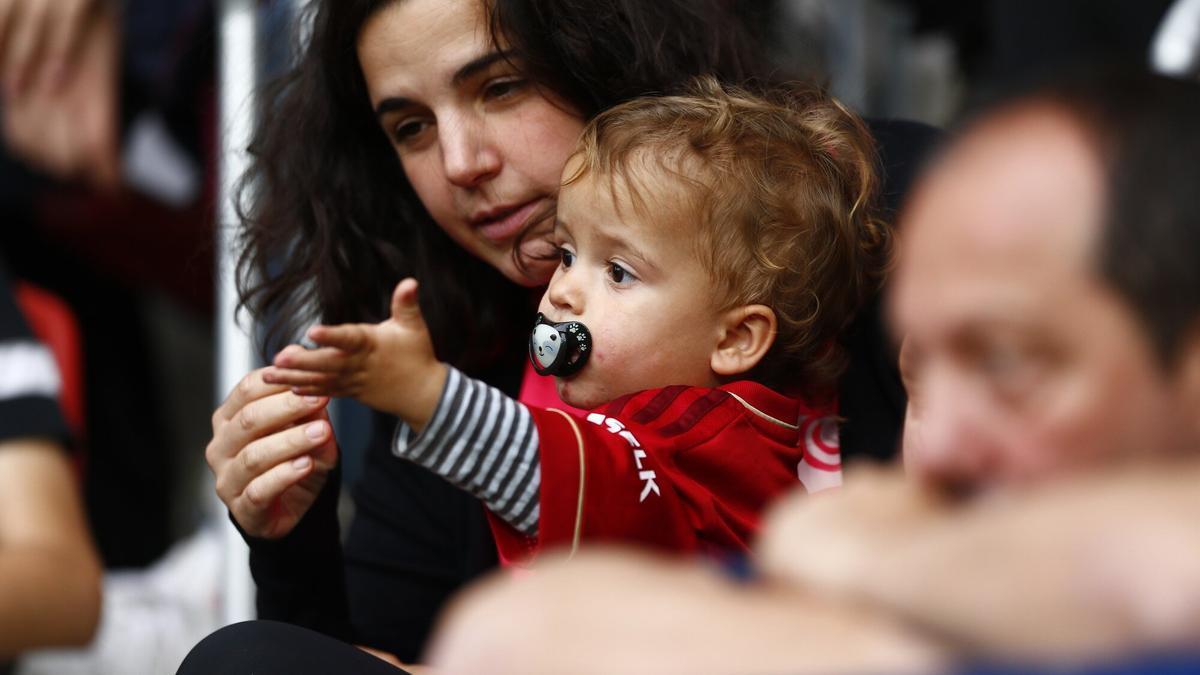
(480, 103)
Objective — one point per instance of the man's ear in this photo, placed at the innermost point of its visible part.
(747, 333)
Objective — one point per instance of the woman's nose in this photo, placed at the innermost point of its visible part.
(469, 155)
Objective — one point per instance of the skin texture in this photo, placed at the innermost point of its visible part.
(49, 571)
(624, 275)
(483, 152)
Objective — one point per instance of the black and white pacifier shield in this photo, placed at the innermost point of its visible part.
(559, 349)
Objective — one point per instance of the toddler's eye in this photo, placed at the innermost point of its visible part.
(568, 258)
(619, 274)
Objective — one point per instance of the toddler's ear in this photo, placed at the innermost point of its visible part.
(747, 333)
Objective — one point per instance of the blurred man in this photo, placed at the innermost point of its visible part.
(1048, 295)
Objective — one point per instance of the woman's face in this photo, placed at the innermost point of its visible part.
(481, 145)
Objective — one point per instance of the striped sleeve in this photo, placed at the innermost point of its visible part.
(484, 442)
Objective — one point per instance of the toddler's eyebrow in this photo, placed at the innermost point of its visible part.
(627, 248)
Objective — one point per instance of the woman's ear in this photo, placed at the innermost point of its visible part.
(747, 333)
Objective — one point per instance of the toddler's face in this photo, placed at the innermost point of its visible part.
(636, 283)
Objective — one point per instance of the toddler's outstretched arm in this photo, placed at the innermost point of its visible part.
(389, 366)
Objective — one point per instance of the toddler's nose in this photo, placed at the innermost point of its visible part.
(565, 295)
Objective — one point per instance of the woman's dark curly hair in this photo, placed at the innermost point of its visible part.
(332, 223)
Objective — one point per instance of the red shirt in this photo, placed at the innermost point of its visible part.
(680, 468)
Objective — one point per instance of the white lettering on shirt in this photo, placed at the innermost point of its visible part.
(646, 475)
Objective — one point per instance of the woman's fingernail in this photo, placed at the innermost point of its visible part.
(315, 431)
(301, 463)
(312, 400)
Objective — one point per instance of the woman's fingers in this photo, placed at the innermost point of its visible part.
(262, 456)
(255, 508)
(258, 419)
(251, 388)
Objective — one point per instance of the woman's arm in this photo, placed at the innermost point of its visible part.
(274, 458)
(300, 577)
(49, 571)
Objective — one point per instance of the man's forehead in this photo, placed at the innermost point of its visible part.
(1025, 185)
(1004, 227)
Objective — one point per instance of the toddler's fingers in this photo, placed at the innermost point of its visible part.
(404, 301)
(333, 391)
(348, 337)
(296, 378)
(321, 360)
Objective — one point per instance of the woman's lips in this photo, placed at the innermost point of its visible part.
(505, 226)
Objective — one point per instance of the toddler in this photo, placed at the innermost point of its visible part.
(712, 248)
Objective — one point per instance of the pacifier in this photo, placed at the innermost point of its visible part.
(559, 349)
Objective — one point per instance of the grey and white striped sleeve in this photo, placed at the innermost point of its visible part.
(483, 442)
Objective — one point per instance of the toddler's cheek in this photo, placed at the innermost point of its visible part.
(580, 394)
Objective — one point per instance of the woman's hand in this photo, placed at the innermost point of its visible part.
(271, 453)
(389, 366)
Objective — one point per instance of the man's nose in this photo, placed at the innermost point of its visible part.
(469, 155)
(945, 443)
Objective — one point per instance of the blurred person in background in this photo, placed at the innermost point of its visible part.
(49, 570)
(105, 112)
(104, 194)
(1048, 296)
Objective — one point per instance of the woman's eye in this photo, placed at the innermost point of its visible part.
(407, 130)
(502, 88)
(619, 274)
(568, 258)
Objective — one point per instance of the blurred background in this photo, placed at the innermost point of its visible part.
(110, 187)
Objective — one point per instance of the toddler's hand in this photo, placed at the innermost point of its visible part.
(389, 366)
